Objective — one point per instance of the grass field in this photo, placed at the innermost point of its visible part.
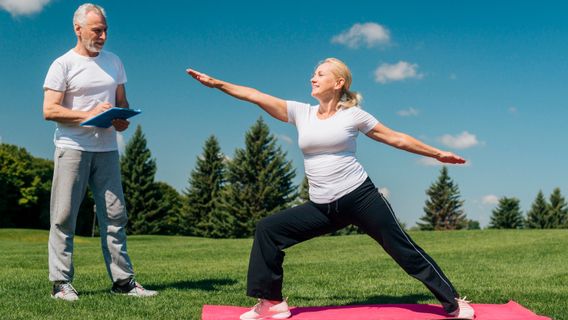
(489, 266)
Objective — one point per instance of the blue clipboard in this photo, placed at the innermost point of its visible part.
(104, 120)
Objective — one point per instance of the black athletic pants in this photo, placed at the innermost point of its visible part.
(364, 207)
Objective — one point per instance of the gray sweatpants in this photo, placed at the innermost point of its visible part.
(73, 171)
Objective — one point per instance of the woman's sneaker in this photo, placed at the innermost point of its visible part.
(265, 309)
(132, 288)
(464, 310)
(64, 291)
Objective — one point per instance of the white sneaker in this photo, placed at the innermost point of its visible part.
(64, 291)
(464, 310)
(265, 309)
(132, 288)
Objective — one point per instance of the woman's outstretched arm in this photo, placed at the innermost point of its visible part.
(276, 107)
(408, 143)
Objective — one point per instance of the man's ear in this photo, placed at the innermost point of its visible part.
(77, 29)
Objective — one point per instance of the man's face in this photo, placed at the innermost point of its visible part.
(94, 33)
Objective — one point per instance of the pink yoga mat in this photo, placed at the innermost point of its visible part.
(508, 311)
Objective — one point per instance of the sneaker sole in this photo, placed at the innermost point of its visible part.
(57, 298)
(132, 294)
(283, 315)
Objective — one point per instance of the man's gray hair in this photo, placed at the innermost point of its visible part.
(80, 16)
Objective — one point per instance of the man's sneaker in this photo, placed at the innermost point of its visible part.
(64, 291)
(132, 288)
(265, 309)
(464, 310)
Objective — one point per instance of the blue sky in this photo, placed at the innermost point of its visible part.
(485, 80)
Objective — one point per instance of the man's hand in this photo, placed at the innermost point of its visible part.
(100, 108)
(120, 124)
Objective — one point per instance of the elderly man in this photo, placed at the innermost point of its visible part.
(80, 84)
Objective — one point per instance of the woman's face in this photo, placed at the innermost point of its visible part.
(324, 82)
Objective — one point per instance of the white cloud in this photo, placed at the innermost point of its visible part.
(23, 7)
(429, 162)
(410, 112)
(385, 192)
(397, 72)
(285, 138)
(453, 76)
(462, 141)
(369, 33)
(512, 110)
(490, 199)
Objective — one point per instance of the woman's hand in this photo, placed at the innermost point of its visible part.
(448, 157)
(203, 78)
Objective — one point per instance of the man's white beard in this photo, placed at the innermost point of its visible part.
(91, 46)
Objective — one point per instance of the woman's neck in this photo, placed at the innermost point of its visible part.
(328, 105)
(327, 108)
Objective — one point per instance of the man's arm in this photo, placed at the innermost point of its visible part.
(121, 102)
(54, 111)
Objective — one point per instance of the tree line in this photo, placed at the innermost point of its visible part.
(225, 197)
(543, 214)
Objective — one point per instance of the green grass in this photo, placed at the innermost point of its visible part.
(489, 266)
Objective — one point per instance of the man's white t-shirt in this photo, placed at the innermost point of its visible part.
(329, 148)
(86, 82)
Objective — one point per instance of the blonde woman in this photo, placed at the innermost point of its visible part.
(340, 191)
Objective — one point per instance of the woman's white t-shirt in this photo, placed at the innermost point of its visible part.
(329, 148)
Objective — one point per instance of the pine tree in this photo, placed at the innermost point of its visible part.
(443, 209)
(259, 180)
(138, 171)
(507, 215)
(558, 210)
(202, 215)
(304, 194)
(169, 207)
(538, 216)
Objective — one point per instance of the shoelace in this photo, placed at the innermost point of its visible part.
(463, 300)
(68, 288)
(258, 306)
(463, 306)
(135, 285)
(139, 286)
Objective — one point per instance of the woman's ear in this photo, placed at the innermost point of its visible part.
(339, 83)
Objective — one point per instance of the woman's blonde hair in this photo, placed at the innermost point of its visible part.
(347, 98)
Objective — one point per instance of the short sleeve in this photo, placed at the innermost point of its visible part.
(295, 109)
(363, 120)
(55, 78)
(121, 75)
